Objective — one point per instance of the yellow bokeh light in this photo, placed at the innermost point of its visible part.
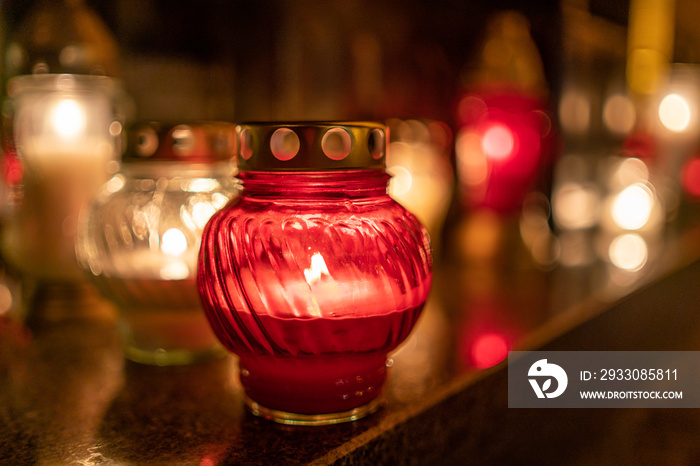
(575, 112)
(472, 166)
(674, 113)
(619, 114)
(632, 207)
(576, 206)
(628, 172)
(401, 180)
(115, 184)
(628, 252)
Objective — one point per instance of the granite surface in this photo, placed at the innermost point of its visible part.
(68, 397)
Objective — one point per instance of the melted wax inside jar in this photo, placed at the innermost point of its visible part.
(325, 365)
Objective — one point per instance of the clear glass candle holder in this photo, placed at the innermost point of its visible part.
(139, 241)
(315, 273)
(66, 131)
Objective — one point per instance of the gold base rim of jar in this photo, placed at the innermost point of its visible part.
(322, 419)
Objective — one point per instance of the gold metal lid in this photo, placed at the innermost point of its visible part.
(195, 142)
(311, 146)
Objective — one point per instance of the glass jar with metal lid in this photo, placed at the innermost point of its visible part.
(140, 239)
(315, 274)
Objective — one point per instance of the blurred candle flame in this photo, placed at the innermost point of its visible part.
(632, 207)
(68, 118)
(674, 113)
(174, 242)
(628, 252)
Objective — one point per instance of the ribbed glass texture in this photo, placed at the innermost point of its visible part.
(311, 278)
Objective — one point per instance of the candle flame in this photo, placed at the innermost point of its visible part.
(68, 118)
(174, 242)
(317, 270)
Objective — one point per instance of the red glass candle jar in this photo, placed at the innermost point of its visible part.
(315, 273)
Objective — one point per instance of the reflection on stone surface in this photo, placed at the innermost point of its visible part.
(173, 414)
(419, 365)
(58, 386)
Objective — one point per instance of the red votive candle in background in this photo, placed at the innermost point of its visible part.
(504, 128)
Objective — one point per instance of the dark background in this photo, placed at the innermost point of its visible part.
(240, 50)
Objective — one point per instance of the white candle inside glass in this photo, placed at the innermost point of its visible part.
(63, 138)
(65, 130)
